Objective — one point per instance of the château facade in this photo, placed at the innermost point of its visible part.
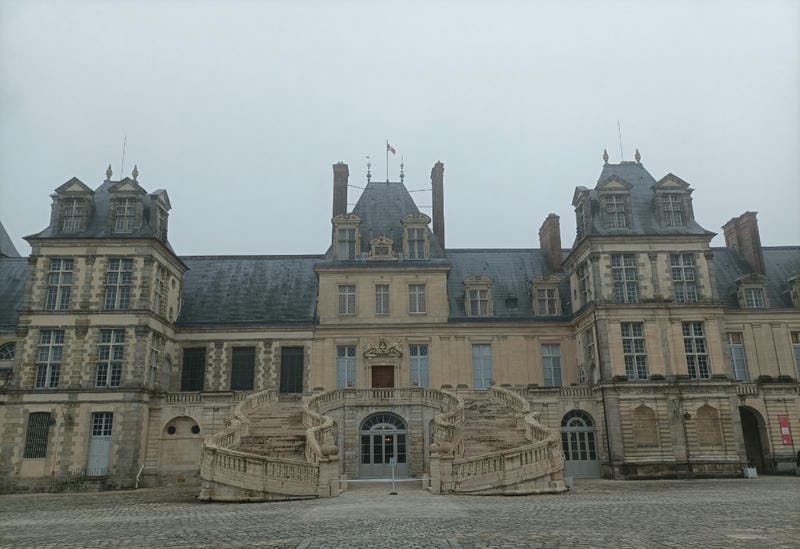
(639, 352)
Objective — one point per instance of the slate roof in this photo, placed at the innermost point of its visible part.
(13, 274)
(512, 272)
(100, 221)
(643, 219)
(781, 263)
(7, 248)
(249, 290)
(381, 207)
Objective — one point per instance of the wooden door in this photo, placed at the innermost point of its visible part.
(382, 376)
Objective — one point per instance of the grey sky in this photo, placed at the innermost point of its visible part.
(239, 109)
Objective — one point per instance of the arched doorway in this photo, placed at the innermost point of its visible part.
(579, 445)
(383, 438)
(755, 444)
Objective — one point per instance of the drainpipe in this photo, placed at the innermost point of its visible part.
(603, 394)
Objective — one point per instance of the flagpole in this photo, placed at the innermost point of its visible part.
(387, 160)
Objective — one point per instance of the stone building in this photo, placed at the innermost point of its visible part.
(639, 352)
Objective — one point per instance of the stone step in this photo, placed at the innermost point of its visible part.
(490, 426)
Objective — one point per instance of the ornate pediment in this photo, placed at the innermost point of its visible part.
(614, 183)
(547, 279)
(127, 185)
(161, 196)
(383, 349)
(346, 219)
(752, 279)
(579, 194)
(381, 248)
(74, 186)
(416, 219)
(478, 280)
(671, 182)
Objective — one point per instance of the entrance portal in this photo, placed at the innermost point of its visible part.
(383, 443)
(578, 443)
(382, 376)
(753, 433)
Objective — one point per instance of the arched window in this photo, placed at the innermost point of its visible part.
(708, 428)
(645, 429)
(577, 419)
(8, 351)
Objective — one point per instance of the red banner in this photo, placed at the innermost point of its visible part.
(786, 433)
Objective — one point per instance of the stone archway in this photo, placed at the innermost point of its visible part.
(383, 443)
(756, 443)
(579, 443)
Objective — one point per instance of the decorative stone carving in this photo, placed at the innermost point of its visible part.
(383, 349)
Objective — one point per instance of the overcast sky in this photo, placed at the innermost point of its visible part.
(239, 109)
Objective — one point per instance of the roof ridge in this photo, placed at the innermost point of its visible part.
(255, 256)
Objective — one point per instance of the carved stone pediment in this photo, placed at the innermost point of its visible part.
(346, 219)
(381, 248)
(383, 349)
(416, 219)
(478, 280)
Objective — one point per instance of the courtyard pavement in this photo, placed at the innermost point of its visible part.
(597, 513)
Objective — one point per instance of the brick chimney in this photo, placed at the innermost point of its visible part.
(741, 234)
(437, 183)
(550, 242)
(341, 173)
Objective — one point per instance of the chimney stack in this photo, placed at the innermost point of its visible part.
(550, 242)
(741, 234)
(341, 173)
(437, 183)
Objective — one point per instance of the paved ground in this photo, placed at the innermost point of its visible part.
(699, 513)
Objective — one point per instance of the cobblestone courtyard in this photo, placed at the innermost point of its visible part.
(597, 513)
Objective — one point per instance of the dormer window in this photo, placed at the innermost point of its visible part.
(546, 297)
(478, 296)
(125, 210)
(161, 230)
(74, 215)
(345, 237)
(672, 210)
(752, 291)
(614, 211)
(794, 290)
(580, 220)
(415, 236)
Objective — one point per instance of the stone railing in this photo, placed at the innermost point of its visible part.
(231, 475)
(191, 397)
(532, 468)
(747, 389)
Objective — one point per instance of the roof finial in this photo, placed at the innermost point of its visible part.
(108, 173)
(402, 165)
(605, 156)
(637, 157)
(369, 168)
(135, 172)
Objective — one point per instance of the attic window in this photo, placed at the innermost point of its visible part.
(614, 211)
(672, 207)
(512, 303)
(125, 215)
(162, 225)
(416, 240)
(73, 215)
(546, 297)
(478, 296)
(754, 298)
(580, 220)
(346, 244)
(381, 248)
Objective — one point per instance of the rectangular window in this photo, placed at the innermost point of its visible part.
(588, 346)
(551, 362)
(547, 301)
(478, 302)
(796, 349)
(347, 299)
(416, 298)
(125, 215)
(615, 212)
(694, 344)
(118, 284)
(59, 285)
(633, 350)
(382, 299)
(579, 220)
(583, 284)
(110, 356)
(754, 298)
(162, 224)
(418, 363)
(243, 368)
(48, 358)
(673, 210)
(36, 437)
(157, 343)
(345, 366)
(738, 361)
(160, 291)
(345, 244)
(416, 243)
(194, 369)
(623, 273)
(684, 282)
(482, 366)
(73, 215)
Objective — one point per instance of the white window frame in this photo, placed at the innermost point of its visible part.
(672, 208)
(73, 215)
(551, 365)
(347, 299)
(584, 286)
(481, 366)
(59, 284)
(416, 240)
(634, 350)
(478, 299)
(345, 366)
(346, 239)
(698, 363)
(119, 276)
(125, 213)
(795, 337)
(547, 301)
(49, 354)
(381, 299)
(754, 298)
(614, 209)
(418, 363)
(160, 291)
(110, 358)
(625, 279)
(416, 299)
(684, 277)
(738, 357)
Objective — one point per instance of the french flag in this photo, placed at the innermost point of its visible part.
(390, 149)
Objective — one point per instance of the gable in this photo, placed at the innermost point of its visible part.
(74, 186)
(614, 183)
(127, 185)
(671, 182)
(162, 198)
